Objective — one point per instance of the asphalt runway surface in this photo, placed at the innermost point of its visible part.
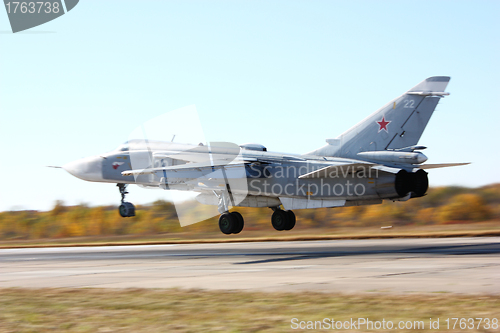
(456, 265)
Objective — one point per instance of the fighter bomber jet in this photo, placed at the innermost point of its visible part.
(377, 159)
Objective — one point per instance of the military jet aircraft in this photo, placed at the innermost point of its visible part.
(377, 159)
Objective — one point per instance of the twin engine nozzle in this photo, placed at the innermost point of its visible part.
(411, 182)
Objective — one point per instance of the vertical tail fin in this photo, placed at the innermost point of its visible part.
(398, 124)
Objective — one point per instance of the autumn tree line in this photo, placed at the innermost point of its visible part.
(442, 205)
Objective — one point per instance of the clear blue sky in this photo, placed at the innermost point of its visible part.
(287, 74)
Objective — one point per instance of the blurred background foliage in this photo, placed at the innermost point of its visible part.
(442, 205)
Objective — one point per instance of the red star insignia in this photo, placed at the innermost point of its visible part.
(383, 124)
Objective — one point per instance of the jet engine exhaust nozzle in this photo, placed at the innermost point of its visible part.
(415, 182)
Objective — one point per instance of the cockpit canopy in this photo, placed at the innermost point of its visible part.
(253, 146)
(123, 147)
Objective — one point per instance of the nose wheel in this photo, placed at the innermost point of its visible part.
(126, 209)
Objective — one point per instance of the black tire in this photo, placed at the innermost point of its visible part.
(291, 220)
(241, 223)
(227, 223)
(279, 220)
(126, 209)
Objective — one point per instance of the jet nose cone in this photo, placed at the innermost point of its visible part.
(89, 168)
(421, 158)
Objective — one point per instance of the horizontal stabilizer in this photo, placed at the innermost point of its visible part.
(338, 170)
(442, 165)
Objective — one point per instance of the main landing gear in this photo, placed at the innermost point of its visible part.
(126, 209)
(232, 223)
(283, 219)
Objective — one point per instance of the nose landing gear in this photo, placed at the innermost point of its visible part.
(126, 209)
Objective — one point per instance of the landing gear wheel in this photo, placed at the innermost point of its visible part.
(279, 219)
(228, 223)
(290, 223)
(240, 224)
(126, 209)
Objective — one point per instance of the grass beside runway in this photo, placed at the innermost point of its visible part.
(484, 229)
(174, 310)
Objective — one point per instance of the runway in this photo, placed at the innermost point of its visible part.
(455, 265)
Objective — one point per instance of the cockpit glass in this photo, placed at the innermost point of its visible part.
(123, 147)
